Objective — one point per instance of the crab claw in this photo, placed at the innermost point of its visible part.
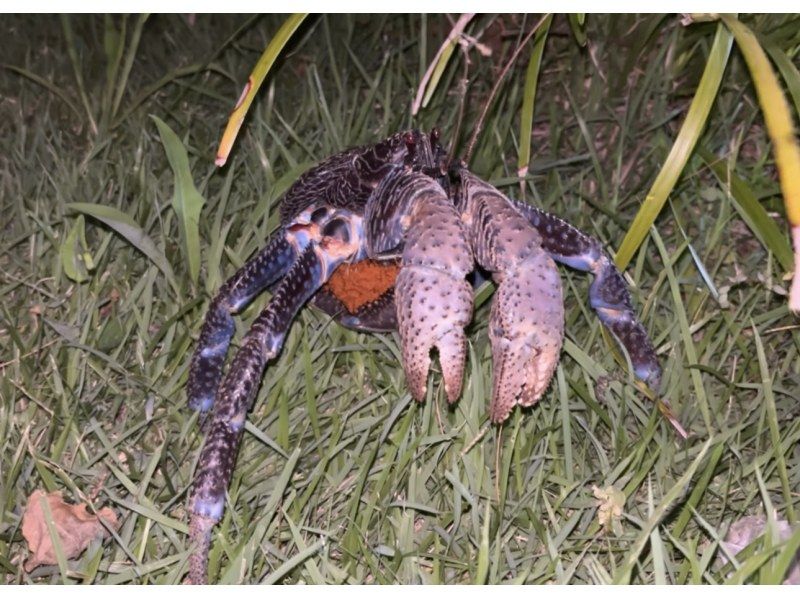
(527, 321)
(432, 297)
(432, 309)
(526, 330)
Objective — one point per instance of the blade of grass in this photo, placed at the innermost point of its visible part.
(126, 227)
(772, 420)
(254, 81)
(529, 99)
(293, 562)
(55, 540)
(483, 549)
(685, 331)
(72, 52)
(750, 209)
(430, 80)
(577, 23)
(186, 199)
(52, 88)
(623, 574)
(130, 56)
(696, 119)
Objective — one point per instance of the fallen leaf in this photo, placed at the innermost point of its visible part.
(76, 528)
(610, 503)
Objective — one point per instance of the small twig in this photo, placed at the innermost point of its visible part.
(476, 131)
(5, 364)
(475, 440)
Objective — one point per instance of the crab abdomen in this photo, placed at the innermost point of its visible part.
(526, 327)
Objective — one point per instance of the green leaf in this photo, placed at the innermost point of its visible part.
(186, 199)
(776, 113)
(691, 128)
(577, 22)
(430, 80)
(127, 228)
(75, 257)
(789, 72)
(623, 574)
(483, 549)
(751, 210)
(529, 97)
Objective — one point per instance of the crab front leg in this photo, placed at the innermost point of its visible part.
(258, 273)
(322, 242)
(526, 326)
(432, 297)
(608, 294)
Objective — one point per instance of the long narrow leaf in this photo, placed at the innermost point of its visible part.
(126, 226)
(623, 574)
(186, 199)
(694, 124)
(254, 82)
(529, 97)
(750, 209)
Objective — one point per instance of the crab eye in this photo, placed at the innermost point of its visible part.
(410, 140)
(435, 135)
(338, 229)
(318, 215)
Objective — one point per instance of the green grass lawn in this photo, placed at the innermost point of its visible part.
(342, 478)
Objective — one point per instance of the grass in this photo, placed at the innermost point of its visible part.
(342, 478)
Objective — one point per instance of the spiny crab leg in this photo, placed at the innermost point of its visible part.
(433, 299)
(526, 326)
(608, 294)
(258, 273)
(322, 240)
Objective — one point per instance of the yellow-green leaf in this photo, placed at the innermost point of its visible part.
(253, 84)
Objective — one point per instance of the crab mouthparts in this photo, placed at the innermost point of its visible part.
(358, 284)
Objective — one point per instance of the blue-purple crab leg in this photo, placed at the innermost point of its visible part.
(608, 294)
(321, 249)
(526, 326)
(205, 371)
(432, 297)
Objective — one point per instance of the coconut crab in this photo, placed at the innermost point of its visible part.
(382, 237)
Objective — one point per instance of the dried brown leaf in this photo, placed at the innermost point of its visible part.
(76, 528)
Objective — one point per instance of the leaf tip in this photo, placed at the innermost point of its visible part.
(794, 292)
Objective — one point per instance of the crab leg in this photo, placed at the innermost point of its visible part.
(608, 294)
(321, 249)
(258, 273)
(526, 326)
(432, 297)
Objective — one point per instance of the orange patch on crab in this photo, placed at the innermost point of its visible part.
(357, 284)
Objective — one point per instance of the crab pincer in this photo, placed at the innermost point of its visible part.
(526, 327)
(432, 297)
